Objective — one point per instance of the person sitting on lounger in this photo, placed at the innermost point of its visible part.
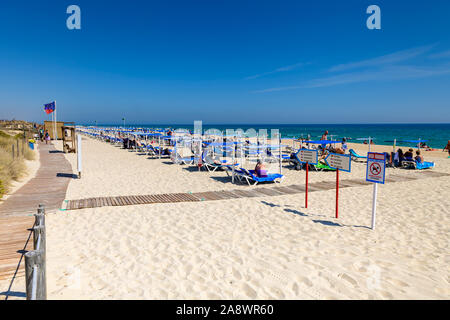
(260, 169)
(137, 143)
(418, 157)
(337, 150)
(322, 158)
(398, 158)
(211, 160)
(409, 154)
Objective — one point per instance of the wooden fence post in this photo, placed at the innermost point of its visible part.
(37, 259)
(40, 216)
(12, 151)
(18, 150)
(33, 275)
(42, 280)
(30, 262)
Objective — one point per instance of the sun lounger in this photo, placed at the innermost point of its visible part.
(356, 157)
(209, 162)
(178, 159)
(323, 167)
(413, 164)
(155, 151)
(250, 177)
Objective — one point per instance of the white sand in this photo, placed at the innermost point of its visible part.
(255, 248)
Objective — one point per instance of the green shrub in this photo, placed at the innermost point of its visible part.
(19, 136)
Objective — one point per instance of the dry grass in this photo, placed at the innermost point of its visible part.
(12, 169)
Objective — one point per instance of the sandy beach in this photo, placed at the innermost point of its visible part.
(250, 248)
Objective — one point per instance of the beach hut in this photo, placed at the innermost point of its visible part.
(69, 138)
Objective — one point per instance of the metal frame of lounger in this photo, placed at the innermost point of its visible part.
(409, 164)
(238, 173)
(152, 151)
(177, 159)
(412, 164)
(355, 157)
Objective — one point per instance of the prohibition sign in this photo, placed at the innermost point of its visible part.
(375, 168)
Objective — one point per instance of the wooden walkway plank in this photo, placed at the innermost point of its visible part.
(231, 194)
(48, 187)
(14, 232)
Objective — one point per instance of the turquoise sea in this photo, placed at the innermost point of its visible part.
(436, 134)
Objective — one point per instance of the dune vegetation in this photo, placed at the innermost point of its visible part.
(12, 168)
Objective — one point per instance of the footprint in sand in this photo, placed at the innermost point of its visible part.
(306, 281)
(348, 278)
(386, 295)
(295, 288)
(397, 283)
(236, 274)
(249, 291)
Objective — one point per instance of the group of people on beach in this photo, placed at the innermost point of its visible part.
(401, 156)
(44, 135)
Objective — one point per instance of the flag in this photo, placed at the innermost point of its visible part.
(49, 107)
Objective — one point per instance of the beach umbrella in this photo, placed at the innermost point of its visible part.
(417, 142)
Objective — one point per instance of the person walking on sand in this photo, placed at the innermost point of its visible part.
(46, 137)
(447, 147)
(324, 137)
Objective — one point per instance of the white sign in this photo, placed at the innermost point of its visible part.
(306, 155)
(375, 172)
(79, 154)
(376, 167)
(339, 161)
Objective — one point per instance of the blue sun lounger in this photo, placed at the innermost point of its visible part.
(178, 159)
(355, 156)
(413, 164)
(424, 165)
(155, 151)
(249, 176)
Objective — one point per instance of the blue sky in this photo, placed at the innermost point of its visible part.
(226, 61)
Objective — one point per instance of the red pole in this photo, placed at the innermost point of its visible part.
(337, 193)
(306, 194)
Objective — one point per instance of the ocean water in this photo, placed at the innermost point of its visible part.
(436, 134)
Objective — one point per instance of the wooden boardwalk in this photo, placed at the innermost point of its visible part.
(47, 187)
(233, 194)
(14, 233)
